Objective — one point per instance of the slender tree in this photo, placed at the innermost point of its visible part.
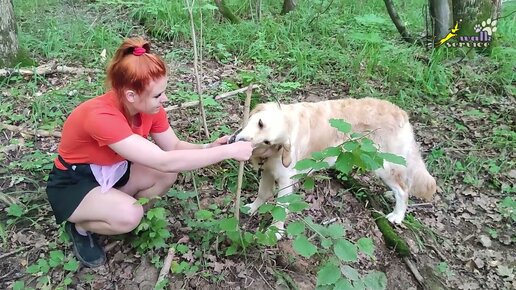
(288, 5)
(8, 40)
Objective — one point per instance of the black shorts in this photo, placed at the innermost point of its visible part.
(67, 188)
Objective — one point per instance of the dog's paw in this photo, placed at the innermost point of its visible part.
(252, 208)
(395, 218)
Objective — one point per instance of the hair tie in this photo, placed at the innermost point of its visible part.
(139, 51)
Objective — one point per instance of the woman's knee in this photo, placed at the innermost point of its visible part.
(128, 217)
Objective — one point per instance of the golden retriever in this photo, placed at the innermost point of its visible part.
(284, 134)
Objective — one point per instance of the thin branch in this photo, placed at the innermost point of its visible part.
(166, 266)
(397, 21)
(226, 12)
(33, 132)
(46, 70)
(3, 256)
(232, 93)
(414, 271)
(247, 105)
(196, 66)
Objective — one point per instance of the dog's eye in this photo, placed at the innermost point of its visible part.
(260, 124)
(267, 142)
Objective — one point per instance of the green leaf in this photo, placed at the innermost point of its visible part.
(345, 250)
(231, 250)
(204, 214)
(305, 164)
(71, 265)
(43, 266)
(181, 248)
(142, 200)
(19, 285)
(341, 125)
(370, 162)
(291, 198)
(228, 224)
(33, 269)
(344, 162)
(368, 146)
(370, 19)
(375, 280)
(366, 246)
(328, 274)
(331, 152)
(15, 210)
(393, 158)
(343, 284)
(304, 247)
(298, 206)
(309, 183)
(295, 228)
(336, 231)
(279, 213)
(350, 145)
(265, 208)
(326, 243)
(67, 281)
(350, 273)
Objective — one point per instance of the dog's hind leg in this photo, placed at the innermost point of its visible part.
(394, 177)
(265, 191)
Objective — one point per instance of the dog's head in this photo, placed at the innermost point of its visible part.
(268, 130)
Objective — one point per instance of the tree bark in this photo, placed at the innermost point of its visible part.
(473, 12)
(442, 18)
(8, 41)
(397, 21)
(226, 12)
(288, 5)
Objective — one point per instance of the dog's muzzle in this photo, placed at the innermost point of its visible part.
(232, 138)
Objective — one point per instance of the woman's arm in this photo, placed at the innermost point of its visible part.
(140, 150)
(168, 141)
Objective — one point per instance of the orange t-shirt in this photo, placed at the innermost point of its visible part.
(99, 122)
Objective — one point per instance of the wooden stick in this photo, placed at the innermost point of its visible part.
(247, 104)
(34, 132)
(414, 271)
(3, 256)
(46, 70)
(166, 266)
(218, 97)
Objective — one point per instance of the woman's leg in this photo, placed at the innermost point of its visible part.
(116, 211)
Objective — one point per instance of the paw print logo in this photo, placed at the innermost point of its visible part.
(488, 26)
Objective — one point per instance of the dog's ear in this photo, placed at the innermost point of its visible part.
(286, 159)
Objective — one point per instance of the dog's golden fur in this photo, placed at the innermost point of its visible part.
(284, 134)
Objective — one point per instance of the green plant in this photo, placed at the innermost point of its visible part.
(507, 208)
(152, 232)
(57, 262)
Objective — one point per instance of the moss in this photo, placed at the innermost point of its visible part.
(22, 59)
(392, 239)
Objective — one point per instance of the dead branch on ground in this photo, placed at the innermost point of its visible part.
(46, 69)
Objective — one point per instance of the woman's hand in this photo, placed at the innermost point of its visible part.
(220, 141)
(241, 150)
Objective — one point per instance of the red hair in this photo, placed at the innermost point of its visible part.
(132, 70)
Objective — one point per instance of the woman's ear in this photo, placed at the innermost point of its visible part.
(130, 96)
(286, 158)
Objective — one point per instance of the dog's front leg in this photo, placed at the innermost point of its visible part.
(265, 191)
(286, 187)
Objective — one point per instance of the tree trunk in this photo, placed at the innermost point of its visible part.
(442, 18)
(288, 5)
(470, 13)
(226, 12)
(8, 40)
(397, 21)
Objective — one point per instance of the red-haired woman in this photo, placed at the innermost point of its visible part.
(106, 162)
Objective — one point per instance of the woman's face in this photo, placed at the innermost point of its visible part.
(151, 100)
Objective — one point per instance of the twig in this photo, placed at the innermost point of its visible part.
(247, 104)
(218, 97)
(46, 70)
(110, 246)
(265, 280)
(232, 93)
(27, 131)
(437, 251)
(166, 266)
(3, 256)
(414, 271)
(196, 72)
(397, 21)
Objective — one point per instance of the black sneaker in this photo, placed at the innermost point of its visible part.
(86, 248)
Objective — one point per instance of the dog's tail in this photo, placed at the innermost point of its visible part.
(421, 183)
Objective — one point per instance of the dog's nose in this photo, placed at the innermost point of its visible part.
(233, 138)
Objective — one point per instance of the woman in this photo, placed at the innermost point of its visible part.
(106, 161)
